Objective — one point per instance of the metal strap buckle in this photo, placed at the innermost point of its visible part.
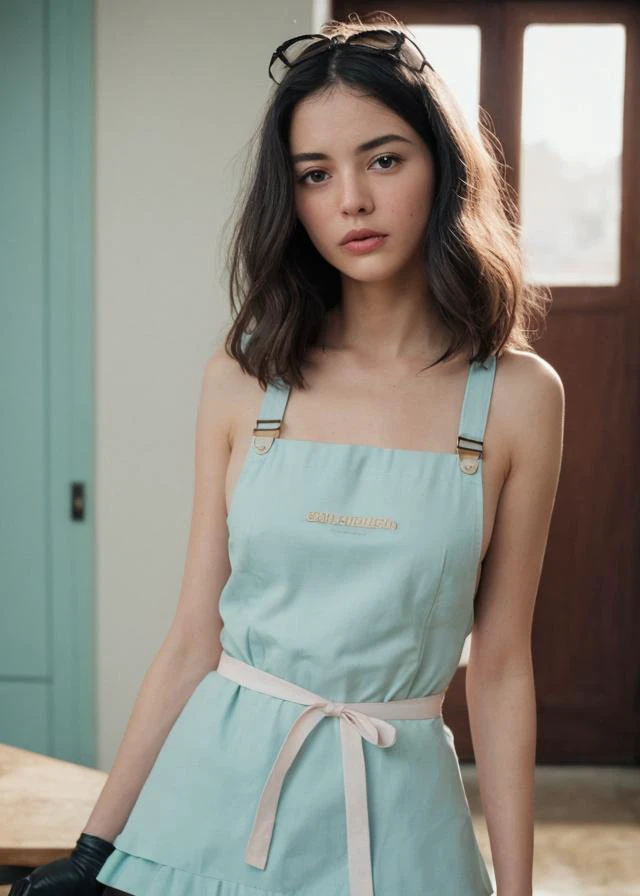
(466, 447)
(263, 436)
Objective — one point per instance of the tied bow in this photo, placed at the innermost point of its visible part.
(354, 725)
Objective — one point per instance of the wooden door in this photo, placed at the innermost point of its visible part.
(581, 223)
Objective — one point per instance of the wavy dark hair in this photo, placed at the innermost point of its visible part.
(280, 285)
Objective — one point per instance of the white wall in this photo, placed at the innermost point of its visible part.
(180, 87)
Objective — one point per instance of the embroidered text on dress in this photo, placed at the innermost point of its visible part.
(363, 522)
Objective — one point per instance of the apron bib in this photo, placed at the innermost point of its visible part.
(353, 573)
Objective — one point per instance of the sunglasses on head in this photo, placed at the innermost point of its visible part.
(379, 41)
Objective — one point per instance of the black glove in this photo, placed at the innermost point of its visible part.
(73, 876)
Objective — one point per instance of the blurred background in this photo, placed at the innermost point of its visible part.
(124, 127)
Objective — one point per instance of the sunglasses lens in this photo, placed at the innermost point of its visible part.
(377, 40)
(305, 47)
(385, 40)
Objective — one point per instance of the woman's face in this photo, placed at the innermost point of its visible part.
(387, 188)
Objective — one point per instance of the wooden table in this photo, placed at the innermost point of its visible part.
(44, 805)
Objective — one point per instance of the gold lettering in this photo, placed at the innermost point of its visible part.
(361, 522)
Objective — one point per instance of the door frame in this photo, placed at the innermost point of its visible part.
(69, 302)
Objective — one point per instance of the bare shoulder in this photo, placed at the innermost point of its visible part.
(232, 392)
(527, 368)
(529, 401)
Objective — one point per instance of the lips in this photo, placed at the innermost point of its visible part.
(361, 234)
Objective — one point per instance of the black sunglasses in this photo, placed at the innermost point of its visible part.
(298, 49)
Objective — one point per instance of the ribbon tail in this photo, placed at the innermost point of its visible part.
(257, 849)
(357, 816)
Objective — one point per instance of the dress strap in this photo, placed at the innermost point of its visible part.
(274, 403)
(475, 409)
(271, 413)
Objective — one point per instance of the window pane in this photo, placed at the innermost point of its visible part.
(572, 115)
(454, 52)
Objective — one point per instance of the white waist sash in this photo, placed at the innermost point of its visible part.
(357, 720)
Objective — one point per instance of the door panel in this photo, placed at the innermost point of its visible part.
(46, 396)
(578, 195)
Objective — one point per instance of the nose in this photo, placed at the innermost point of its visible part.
(356, 198)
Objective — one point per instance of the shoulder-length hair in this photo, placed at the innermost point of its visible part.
(280, 285)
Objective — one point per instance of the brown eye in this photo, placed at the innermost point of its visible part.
(388, 155)
(304, 177)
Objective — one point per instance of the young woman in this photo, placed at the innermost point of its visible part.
(378, 451)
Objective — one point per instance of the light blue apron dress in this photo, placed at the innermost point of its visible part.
(352, 576)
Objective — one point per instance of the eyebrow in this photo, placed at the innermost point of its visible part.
(364, 147)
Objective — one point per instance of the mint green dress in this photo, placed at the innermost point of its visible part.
(353, 575)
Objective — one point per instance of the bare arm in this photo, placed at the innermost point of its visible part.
(192, 647)
(500, 683)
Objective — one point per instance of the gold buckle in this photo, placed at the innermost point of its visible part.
(263, 436)
(464, 448)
